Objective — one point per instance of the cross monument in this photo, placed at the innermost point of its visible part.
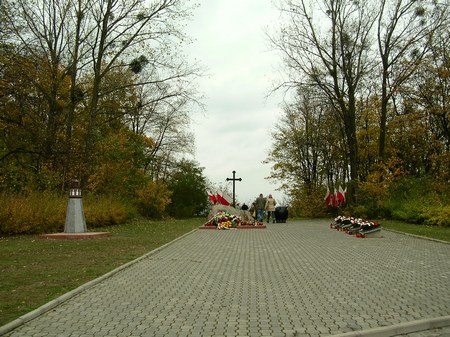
(234, 180)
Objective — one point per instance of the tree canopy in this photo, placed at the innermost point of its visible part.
(370, 100)
(97, 91)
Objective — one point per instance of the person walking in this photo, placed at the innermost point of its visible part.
(260, 204)
(270, 208)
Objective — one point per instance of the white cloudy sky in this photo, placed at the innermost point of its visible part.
(234, 133)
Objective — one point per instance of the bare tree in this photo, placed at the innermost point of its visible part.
(52, 34)
(404, 34)
(327, 44)
(428, 93)
(122, 29)
(82, 41)
(298, 143)
(78, 50)
(165, 98)
(39, 30)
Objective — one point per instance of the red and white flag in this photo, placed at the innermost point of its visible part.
(212, 198)
(335, 199)
(222, 200)
(227, 197)
(341, 195)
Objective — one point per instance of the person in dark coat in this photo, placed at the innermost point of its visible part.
(260, 204)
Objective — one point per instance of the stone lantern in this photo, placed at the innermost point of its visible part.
(75, 220)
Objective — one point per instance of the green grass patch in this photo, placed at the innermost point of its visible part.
(34, 271)
(434, 232)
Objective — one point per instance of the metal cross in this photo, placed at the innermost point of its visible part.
(234, 180)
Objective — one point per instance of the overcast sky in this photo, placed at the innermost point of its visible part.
(234, 133)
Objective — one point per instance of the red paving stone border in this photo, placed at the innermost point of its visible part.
(76, 236)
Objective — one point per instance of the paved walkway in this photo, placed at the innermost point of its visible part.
(295, 279)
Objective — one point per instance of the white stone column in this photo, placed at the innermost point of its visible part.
(75, 220)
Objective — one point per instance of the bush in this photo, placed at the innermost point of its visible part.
(361, 211)
(153, 199)
(419, 200)
(32, 213)
(308, 204)
(371, 200)
(188, 187)
(106, 210)
(438, 215)
(45, 212)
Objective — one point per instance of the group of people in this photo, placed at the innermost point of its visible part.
(264, 205)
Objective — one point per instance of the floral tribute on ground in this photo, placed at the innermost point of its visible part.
(224, 216)
(356, 226)
(225, 220)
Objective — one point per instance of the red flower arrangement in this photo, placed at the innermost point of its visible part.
(357, 226)
(224, 220)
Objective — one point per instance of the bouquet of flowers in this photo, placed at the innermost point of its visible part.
(341, 222)
(224, 220)
(357, 226)
(369, 225)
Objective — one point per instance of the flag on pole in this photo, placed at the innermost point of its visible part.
(335, 199)
(341, 195)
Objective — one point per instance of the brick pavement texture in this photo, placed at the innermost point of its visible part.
(299, 278)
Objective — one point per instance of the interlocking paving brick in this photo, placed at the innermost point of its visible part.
(294, 279)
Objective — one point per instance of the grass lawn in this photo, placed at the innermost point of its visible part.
(439, 233)
(34, 271)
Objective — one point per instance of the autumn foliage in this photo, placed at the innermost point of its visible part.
(369, 108)
(83, 97)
